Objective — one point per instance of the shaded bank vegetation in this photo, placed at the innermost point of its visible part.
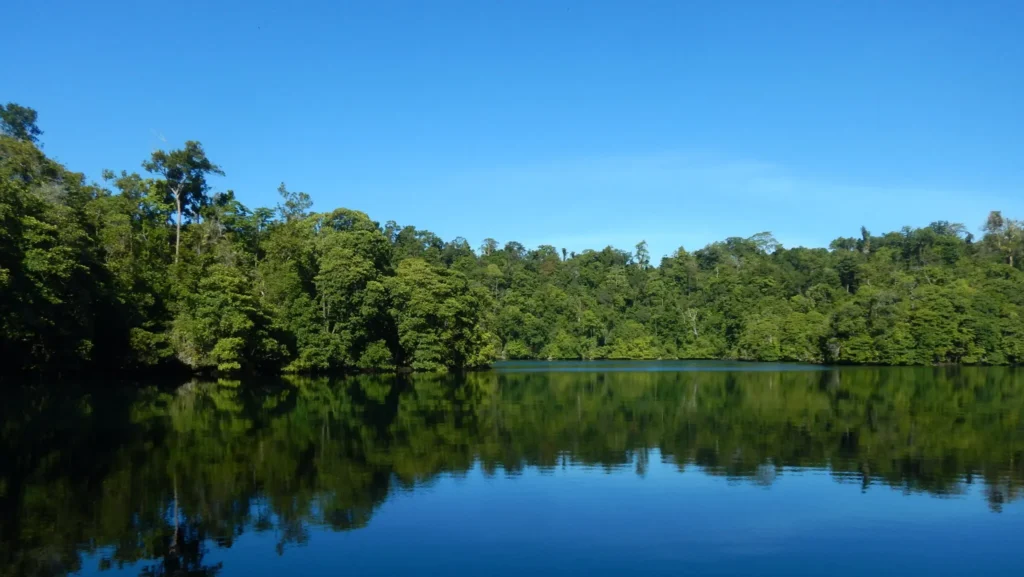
(157, 270)
(161, 477)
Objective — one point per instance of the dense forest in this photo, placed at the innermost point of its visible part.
(161, 478)
(154, 269)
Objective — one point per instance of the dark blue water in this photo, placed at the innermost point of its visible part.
(536, 469)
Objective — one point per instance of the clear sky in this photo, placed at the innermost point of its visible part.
(572, 123)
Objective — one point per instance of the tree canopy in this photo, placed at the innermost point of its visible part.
(160, 270)
(19, 122)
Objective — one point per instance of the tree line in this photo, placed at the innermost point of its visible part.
(154, 269)
(160, 477)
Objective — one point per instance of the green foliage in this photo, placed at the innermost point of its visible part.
(162, 271)
(19, 122)
(377, 356)
(222, 324)
(54, 289)
(919, 296)
(437, 315)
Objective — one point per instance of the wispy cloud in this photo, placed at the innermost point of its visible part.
(682, 172)
(677, 198)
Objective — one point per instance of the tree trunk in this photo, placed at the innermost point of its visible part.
(177, 235)
(174, 539)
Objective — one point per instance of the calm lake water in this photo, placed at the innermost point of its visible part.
(661, 468)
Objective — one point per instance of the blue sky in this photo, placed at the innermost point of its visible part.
(577, 124)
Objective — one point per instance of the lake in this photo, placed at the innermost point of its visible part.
(589, 468)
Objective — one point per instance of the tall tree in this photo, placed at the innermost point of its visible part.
(184, 172)
(293, 205)
(1005, 234)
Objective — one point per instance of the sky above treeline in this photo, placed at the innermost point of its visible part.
(570, 123)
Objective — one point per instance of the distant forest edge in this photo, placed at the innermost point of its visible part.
(156, 270)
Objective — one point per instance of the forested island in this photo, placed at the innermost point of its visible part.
(155, 270)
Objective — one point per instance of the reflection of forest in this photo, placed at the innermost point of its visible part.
(161, 477)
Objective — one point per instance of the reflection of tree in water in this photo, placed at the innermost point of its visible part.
(161, 478)
(182, 555)
(765, 474)
(1001, 492)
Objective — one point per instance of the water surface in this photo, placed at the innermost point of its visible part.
(531, 468)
